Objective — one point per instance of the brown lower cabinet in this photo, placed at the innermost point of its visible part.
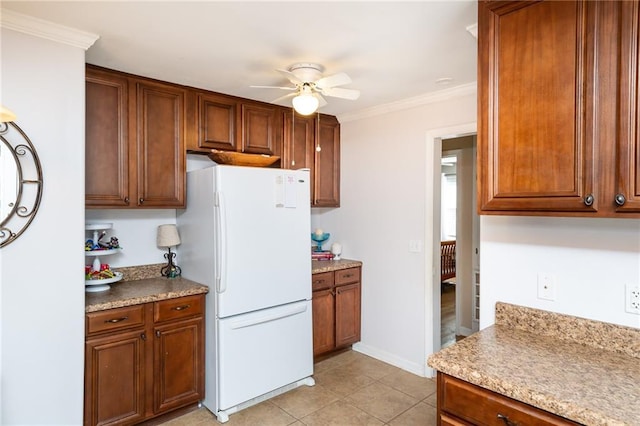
(461, 403)
(144, 360)
(336, 309)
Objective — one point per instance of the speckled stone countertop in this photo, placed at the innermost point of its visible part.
(586, 371)
(138, 288)
(318, 266)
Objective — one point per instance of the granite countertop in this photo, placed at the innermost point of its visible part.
(586, 371)
(135, 292)
(318, 266)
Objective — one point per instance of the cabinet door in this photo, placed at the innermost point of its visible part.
(259, 129)
(323, 309)
(326, 188)
(347, 314)
(114, 379)
(536, 135)
(627, 197)
(106, 140)
(216, 122)
(178, 364)
(161, 155)
(299, 137)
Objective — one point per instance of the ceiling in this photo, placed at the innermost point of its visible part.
(393, 51)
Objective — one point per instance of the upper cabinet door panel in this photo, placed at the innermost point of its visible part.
(217, 117)
(161, 147)
(258, 129)
(536, 69)
(106, 140)
(326, 183)
(627, 196)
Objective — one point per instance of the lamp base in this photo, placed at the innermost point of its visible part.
(170, 270)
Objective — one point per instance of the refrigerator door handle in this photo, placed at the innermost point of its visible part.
(294, 310)
(221, 242)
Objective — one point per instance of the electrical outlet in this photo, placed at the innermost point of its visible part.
(632, 299)
(546, 286)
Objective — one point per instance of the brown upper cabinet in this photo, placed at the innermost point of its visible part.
(554, 139)
(138, 131)
(313, 142)
(135, 142)
(228, 123)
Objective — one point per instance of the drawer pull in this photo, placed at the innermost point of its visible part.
(181, 307)
(506, 420)
(115, 320)
(348, 275)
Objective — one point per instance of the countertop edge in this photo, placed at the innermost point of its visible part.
(320, 266)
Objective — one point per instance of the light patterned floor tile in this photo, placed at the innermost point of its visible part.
(411, 384)
(305, 400)
(352, 389)
(340, 413)
(381, 401)
(419, 415)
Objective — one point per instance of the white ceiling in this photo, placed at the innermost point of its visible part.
(393, 51)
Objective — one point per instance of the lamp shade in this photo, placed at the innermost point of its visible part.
(305, 103)
(168, 236)
(6, 115)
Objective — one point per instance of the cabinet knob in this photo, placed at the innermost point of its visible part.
(588, 200)
(620, 199)
(157, 333)
(126, 200)
(141, 200)
(143, 336)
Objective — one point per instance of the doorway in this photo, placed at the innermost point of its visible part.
(434, 140)
(457, 212)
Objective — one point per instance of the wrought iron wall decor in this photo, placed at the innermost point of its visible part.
(20, 184)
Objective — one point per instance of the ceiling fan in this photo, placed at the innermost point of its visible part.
(310, 87)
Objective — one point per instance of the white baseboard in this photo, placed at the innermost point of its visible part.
(411, 367)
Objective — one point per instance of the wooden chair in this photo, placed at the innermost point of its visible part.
(447, 260)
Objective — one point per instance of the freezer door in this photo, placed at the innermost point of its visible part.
(263, 351)
(262, 238)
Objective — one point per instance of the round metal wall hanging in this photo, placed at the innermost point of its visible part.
(20, 183)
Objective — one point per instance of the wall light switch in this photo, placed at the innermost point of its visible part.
(415, 246)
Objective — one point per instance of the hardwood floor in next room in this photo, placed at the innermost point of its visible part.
(351, 389)
(448, 315)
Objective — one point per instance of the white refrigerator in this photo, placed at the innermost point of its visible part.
(245, 234)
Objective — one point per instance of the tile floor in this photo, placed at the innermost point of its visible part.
(351, 389)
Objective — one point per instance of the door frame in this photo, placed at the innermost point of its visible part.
(432, 231)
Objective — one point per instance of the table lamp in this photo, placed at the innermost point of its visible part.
(168, 237)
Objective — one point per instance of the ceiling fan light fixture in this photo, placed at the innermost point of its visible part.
(305, 104)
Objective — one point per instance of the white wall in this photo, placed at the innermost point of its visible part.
(384, 164)
(41, 283)
(591, 259)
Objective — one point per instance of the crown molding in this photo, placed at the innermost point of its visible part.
(45, 29)
(428, 98)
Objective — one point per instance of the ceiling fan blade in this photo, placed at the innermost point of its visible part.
(321, 101)
(338, 92)
(333, 80)
(273, 87)
(290, 95)
(290, 76)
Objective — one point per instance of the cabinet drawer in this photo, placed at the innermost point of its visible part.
(115, 319)
(322, 281)
(481, 406)
(182, 307)
(347, 276)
